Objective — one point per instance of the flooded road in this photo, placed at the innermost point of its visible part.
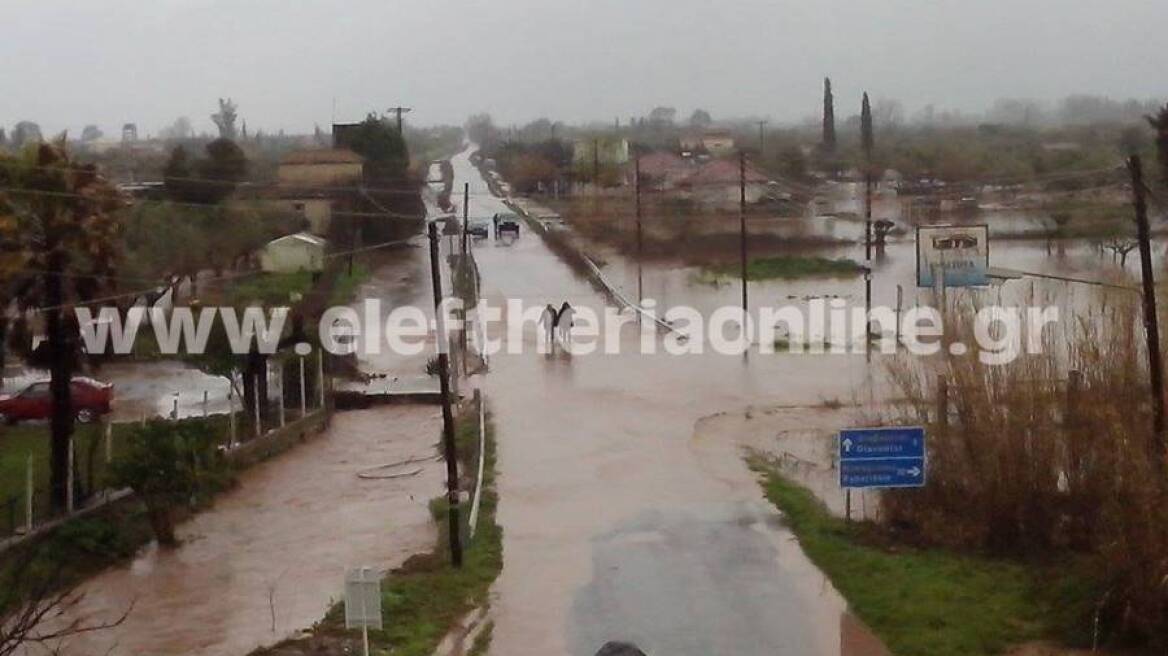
(620, 521)
(269, 557)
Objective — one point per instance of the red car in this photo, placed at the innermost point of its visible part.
(91, 399)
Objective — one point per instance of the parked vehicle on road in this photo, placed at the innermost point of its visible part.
(91, 399)
(479, 229)
(506, 223)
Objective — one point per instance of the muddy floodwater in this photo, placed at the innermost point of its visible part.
(623, 521)
(628, 510)
(270, 556)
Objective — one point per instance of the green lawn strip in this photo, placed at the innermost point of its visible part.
(269, 288)
(345, 287)
(918, 601)
(426, 596)
(20, 441)
(790, 267)
(83, 546)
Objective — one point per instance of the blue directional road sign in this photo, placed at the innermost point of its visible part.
(882, 457)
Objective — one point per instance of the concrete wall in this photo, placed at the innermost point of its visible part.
(278, 441)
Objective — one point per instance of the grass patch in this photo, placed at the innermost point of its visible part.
(18, 442)
(482, 642)
(790, 267)
(270, 288)
(346, 284)
(918, 601)
(426, 596)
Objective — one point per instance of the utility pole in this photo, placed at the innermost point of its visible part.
(1151, 323)
(742, 224)
(595, 165)
(640, 240)
(867, 137)
(399, 111)
(761, 136)
(465, 214)
(447, 413)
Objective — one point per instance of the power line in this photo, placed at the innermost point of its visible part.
(213, 281)
(138, 201)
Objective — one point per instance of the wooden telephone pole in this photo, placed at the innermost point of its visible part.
(465, 214)
(742, 224)
(868, 140)
(1151, 322)
(449, 451)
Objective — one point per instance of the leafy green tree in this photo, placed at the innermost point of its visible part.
(829, 141)
(24, 133)
(225, 163)
(91, 133)
(59, 244)
(481, 130)
(177, 173)
(168, 464)
(384, 150)
(208, 180)
(700, 119)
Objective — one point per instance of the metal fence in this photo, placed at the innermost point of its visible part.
(25, 451)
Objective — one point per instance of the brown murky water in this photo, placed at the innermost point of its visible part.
(628, 511)
(622, 520)
(270, 556)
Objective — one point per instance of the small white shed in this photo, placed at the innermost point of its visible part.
(291, 253)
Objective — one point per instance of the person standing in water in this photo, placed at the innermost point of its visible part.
(563, 323)
(547, 321)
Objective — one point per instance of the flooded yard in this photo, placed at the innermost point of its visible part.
(269, 557)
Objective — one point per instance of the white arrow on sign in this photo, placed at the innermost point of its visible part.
(915, 472)
(848, 444)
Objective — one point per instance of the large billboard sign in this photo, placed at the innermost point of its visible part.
(959, 254)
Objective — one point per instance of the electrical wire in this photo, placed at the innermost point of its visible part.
(213, 281)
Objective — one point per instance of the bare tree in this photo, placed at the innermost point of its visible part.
(35, 607)
(225, 118)
(1120, 248)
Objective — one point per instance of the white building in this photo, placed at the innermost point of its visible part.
(291, 253)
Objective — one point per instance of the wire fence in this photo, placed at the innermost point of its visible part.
(26, 490)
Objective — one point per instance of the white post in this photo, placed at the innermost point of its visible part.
(174, 410)
(899, 301)
(231, 413)
(69, 481)
(28, 497)
(282, 418)
(320, 375)
(303, 392)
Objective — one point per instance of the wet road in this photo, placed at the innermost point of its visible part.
(620, 521)
(270, 556)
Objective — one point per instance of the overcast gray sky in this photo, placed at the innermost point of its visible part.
(69, 63)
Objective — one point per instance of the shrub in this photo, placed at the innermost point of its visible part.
(1050, 454)
(169, 465)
